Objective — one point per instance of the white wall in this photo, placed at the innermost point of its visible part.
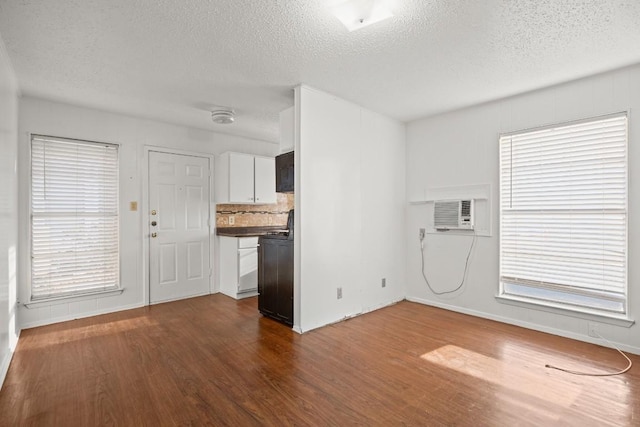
(62, 120)
(8, 209)
(350, 202)
(461, 149)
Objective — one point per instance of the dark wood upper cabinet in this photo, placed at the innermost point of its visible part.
(285, 173)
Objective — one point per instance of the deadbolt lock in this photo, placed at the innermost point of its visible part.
(153, 212)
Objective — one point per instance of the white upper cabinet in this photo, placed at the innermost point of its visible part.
(240, 178)
(265, 179)
(244, 178)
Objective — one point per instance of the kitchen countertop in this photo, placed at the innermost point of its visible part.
(248, 231)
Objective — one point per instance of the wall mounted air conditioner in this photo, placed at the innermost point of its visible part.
(453, 215)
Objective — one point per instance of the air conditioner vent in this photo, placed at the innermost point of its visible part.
(465, 208)
(453, 215)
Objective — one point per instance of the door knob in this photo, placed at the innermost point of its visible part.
(154, 223)
(154, 234)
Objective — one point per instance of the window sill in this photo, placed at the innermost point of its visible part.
(71, 298)
(611, 319)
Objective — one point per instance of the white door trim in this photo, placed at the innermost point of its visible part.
(144, 212)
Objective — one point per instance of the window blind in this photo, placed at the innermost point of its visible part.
(563, 214)
(74, 217)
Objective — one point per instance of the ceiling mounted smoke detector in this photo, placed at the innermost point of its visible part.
(356, 14)
(223, 117)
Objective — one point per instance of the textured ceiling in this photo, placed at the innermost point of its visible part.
(174, 60)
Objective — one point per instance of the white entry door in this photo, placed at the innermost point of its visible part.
(179, 251)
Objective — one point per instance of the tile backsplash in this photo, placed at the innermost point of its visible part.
(255, 215)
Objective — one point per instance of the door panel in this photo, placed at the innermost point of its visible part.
(241, 178)
(285, 282)
(269, 292)
(179, 250)
(195, 262)
(166, 195)
(168, 263)
(195, 199)
(194, 171)
(166, 169)
(247, 269)
(265, 184)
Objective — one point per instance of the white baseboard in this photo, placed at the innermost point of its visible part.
(350, 316)
(526, 325)
(92, 313)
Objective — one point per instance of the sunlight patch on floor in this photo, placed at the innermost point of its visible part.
(44, 339)
(532, 382)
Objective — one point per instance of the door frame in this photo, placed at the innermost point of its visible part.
(144, 214)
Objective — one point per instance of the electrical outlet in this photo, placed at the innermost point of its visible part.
(593, 330)
(339, 293)
(232, 220)
(422, 231)
(384, 282)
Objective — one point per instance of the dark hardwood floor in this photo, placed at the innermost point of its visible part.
(216, 361)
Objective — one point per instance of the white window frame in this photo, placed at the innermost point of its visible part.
(78, 294)
(558, 306)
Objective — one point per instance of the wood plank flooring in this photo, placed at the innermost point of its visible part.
(215, 361)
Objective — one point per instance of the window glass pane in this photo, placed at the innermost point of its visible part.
(563, 297)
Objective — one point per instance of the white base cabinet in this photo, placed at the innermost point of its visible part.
(239, 266)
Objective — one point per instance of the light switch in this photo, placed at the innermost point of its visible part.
(133, 206)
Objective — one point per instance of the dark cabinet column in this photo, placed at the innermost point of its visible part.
(275, 278)
(285, 282)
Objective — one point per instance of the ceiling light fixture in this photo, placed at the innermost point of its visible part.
(356, 14)
(223, 117)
